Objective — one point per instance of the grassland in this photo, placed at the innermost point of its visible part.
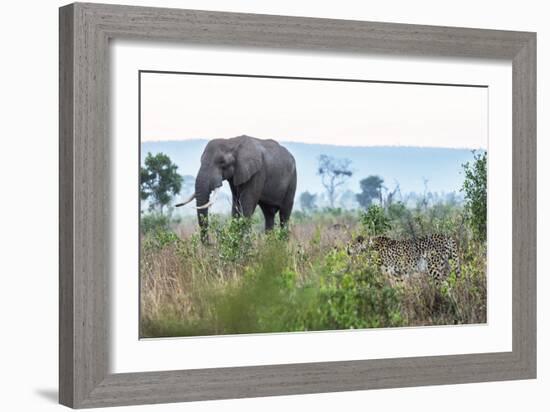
(246, 281)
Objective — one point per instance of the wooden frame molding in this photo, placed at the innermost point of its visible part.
(85, 31)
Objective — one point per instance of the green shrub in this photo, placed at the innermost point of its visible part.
(374, 221)
(420, 221)
(268, 298)
(354, 294)
(152, 222)
(233, 238)
(158, 239)
(397, 211)
(475, 191)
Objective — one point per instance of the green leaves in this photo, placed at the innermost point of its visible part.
(374, 221)
(159, 181)
(355, 294)
(234, 239)
(475, 191)
(154, 222)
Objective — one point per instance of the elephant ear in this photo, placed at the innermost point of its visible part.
(248, 161)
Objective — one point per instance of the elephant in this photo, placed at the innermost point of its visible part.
(259, 172)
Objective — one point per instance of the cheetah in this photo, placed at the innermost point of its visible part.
(428, 254)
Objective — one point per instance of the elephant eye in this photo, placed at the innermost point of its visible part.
(224, 162)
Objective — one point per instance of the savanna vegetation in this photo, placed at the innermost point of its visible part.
(302, 277)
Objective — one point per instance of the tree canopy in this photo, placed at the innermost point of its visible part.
(159, 181)
(371, 189)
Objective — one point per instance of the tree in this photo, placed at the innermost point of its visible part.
(391, 196)
(475, 194)
(159, 181)
(334, 173)
(371, 189)
(307, 201)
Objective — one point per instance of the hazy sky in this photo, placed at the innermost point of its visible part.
(180, 107)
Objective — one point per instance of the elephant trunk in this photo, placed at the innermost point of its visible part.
(202, 195)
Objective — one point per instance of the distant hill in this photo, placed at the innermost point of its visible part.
(407, 165)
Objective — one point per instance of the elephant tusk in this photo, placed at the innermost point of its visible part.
(186, 201)
(211, 202)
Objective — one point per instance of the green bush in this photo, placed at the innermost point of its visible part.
(475, 191)
(374, 221)
(265, 298)
(354, 294)
(233, 238)
(158, 239)
(419, 221)
(397, 211)
(340, 294)
(152, 222)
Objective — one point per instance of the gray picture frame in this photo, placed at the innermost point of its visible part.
(85, 31)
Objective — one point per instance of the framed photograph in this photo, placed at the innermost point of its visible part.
(257, 205)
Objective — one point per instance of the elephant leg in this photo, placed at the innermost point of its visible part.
(284, 216)
(286, 208)
(246, 198)
(235, 211)
(269, 215)
(245, 204)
